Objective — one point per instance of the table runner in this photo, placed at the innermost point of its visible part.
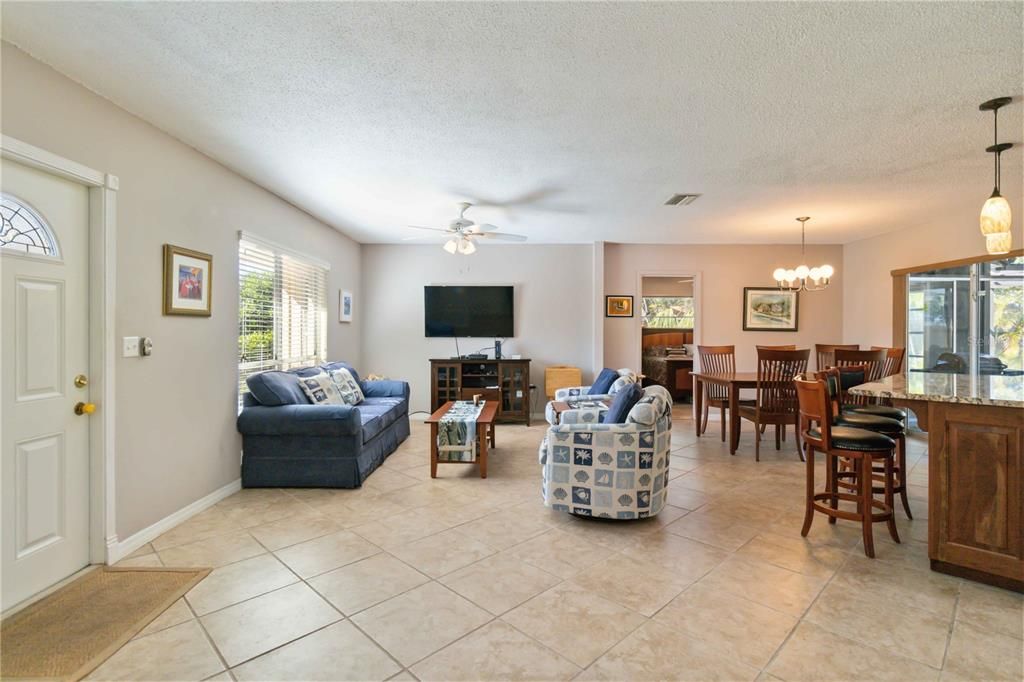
(456, 432)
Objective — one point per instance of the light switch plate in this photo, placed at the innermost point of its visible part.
(130, 347)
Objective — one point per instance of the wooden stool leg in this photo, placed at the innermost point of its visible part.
(890, 500)
(809, 503)
(901, 443)
(864, 506)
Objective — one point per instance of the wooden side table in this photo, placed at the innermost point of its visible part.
(484, 433)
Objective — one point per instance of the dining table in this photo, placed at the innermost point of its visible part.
(734, 382)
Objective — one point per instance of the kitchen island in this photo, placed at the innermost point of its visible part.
(975, 426)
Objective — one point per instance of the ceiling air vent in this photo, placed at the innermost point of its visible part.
(681, 199)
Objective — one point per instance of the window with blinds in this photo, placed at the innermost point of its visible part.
(282, 309)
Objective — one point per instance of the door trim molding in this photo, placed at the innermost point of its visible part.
(102, 286)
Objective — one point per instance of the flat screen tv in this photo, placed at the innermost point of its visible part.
(484, 311)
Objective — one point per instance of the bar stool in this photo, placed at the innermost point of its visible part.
(863, 448)
(886, 420)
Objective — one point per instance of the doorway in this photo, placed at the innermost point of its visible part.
(667, 332)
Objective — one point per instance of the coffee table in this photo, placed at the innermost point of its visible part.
(484, 433)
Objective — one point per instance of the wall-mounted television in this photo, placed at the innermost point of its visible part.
(483, 311)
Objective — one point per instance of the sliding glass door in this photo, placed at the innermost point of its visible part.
(967, 318)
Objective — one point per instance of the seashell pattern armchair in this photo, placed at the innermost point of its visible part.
(617, 471)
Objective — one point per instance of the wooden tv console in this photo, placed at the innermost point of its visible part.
(506, 382)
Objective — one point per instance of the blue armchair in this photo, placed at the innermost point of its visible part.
(289, 442)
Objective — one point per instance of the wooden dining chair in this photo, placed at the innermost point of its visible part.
(874, 366)
(824, 353)
(893, 360)
(776, 401)
(790, 347)
(716, 360)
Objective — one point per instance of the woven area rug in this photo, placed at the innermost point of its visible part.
(67, 634)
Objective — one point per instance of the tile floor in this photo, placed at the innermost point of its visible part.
(467, 579)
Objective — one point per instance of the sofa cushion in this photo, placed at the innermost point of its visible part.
(603, 382)
(330, 366)
(321, 390)
(622, 403)
(377, 416)
(348, 387)
(280, 388)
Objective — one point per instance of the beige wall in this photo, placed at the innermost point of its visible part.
(553, 311)
(176, 440)
(667, 286)
(723, 271)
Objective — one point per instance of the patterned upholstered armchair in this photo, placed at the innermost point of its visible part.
(626, 377)
(617, 471)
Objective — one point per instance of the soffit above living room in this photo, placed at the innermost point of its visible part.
(584, 117)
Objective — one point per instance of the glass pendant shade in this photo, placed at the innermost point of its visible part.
(998, 243)
(995, 215)
(827, 271)
(802, 271)
(451, 246)
(779, 274)
(467, 247)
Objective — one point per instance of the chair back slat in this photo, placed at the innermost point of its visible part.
(717, 360)
(893, 360)
(832, 378)
(789, 347)
(824, 353)
(813, 405)
(873, 359)
(776, 370)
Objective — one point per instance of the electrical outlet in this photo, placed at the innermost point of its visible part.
(130, 347)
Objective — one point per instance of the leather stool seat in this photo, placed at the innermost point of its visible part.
(848, 438)
(879, 410)
(870, 422)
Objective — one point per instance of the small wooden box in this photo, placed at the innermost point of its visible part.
(560, 376)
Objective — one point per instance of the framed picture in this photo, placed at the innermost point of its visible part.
(188, 281)
(618, 306)
(769, 309)
(345, 306)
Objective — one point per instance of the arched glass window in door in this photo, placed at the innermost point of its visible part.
(24, 230)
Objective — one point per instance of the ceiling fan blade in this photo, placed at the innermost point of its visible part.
(432, 229)
(503, 236)
(426, 236)
(484, 227)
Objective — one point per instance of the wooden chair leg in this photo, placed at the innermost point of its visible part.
(757, 442)
(778, 437)
(864, 505)
(723, 423)
(704, 427)
(809, 502)
(890, 500)
(901, 444)
(783, 433)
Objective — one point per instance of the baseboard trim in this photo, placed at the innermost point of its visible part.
(117, 550)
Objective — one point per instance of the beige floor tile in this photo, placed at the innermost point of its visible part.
(293, 530)
(504, 529)
(991, 608)
(365, 583)
(323, 554)
(178, 653)
(385, 481)
(414, 625)
(442, 553)
(771, 586)
(724, 532)
(657, 652)
(499, 652)
(560, 552)
(794, 553)
(239, 581)
(206, 524)
(142, 551)
(400, 529)
(632, 583)
(844, 535)
(363, 510)
(404, 676)
(576, 623)
(500, 582)
(258, 514)
(686, 498)
(144, 561)
(744, 630)
(337, 652)
(615, 535)
(872, 620)
(253, 627)
(814, 654)
(176, 613)
(685, 558)
(984, 655)
(930, 591)
(213, 552)
(224, 676)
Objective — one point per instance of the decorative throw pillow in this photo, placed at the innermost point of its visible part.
(603, 382)
(348, 388)
(321, 389)
(622, 403)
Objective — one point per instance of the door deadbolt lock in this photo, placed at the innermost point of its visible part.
(81, 381)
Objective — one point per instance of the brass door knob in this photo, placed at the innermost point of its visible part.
(81, 381)
(85, 408)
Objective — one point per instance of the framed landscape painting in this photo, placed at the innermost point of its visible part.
(188, 278)
(770, 309)
(618, 306)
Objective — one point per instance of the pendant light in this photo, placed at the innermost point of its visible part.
(996, 217)
(797, 278)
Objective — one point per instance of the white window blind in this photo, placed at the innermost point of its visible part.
(282, 309)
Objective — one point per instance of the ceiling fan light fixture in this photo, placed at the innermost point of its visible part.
(467, 247)
(451, 246)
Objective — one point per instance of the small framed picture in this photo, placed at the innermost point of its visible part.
(345, 306)
(770, 310)
(188, 281)
(618, 306)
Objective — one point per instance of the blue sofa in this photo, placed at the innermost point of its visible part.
(288, 442)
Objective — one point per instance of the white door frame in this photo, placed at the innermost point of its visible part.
(102, 264)
(698, 328)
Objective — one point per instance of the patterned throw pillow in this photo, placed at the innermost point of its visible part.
(320, 389)
(347, 386)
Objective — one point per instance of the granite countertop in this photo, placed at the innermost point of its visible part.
(971, 389)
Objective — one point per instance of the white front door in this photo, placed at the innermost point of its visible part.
(44, 346)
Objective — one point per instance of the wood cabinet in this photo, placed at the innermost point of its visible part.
(506, 382)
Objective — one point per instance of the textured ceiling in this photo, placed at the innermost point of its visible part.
(586, 116)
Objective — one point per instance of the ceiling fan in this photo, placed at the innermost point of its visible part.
(462, 233)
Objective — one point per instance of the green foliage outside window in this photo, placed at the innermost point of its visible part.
(256, 315)
(667, 312)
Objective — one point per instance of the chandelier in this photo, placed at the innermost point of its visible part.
(995, 214)
(802, 277)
